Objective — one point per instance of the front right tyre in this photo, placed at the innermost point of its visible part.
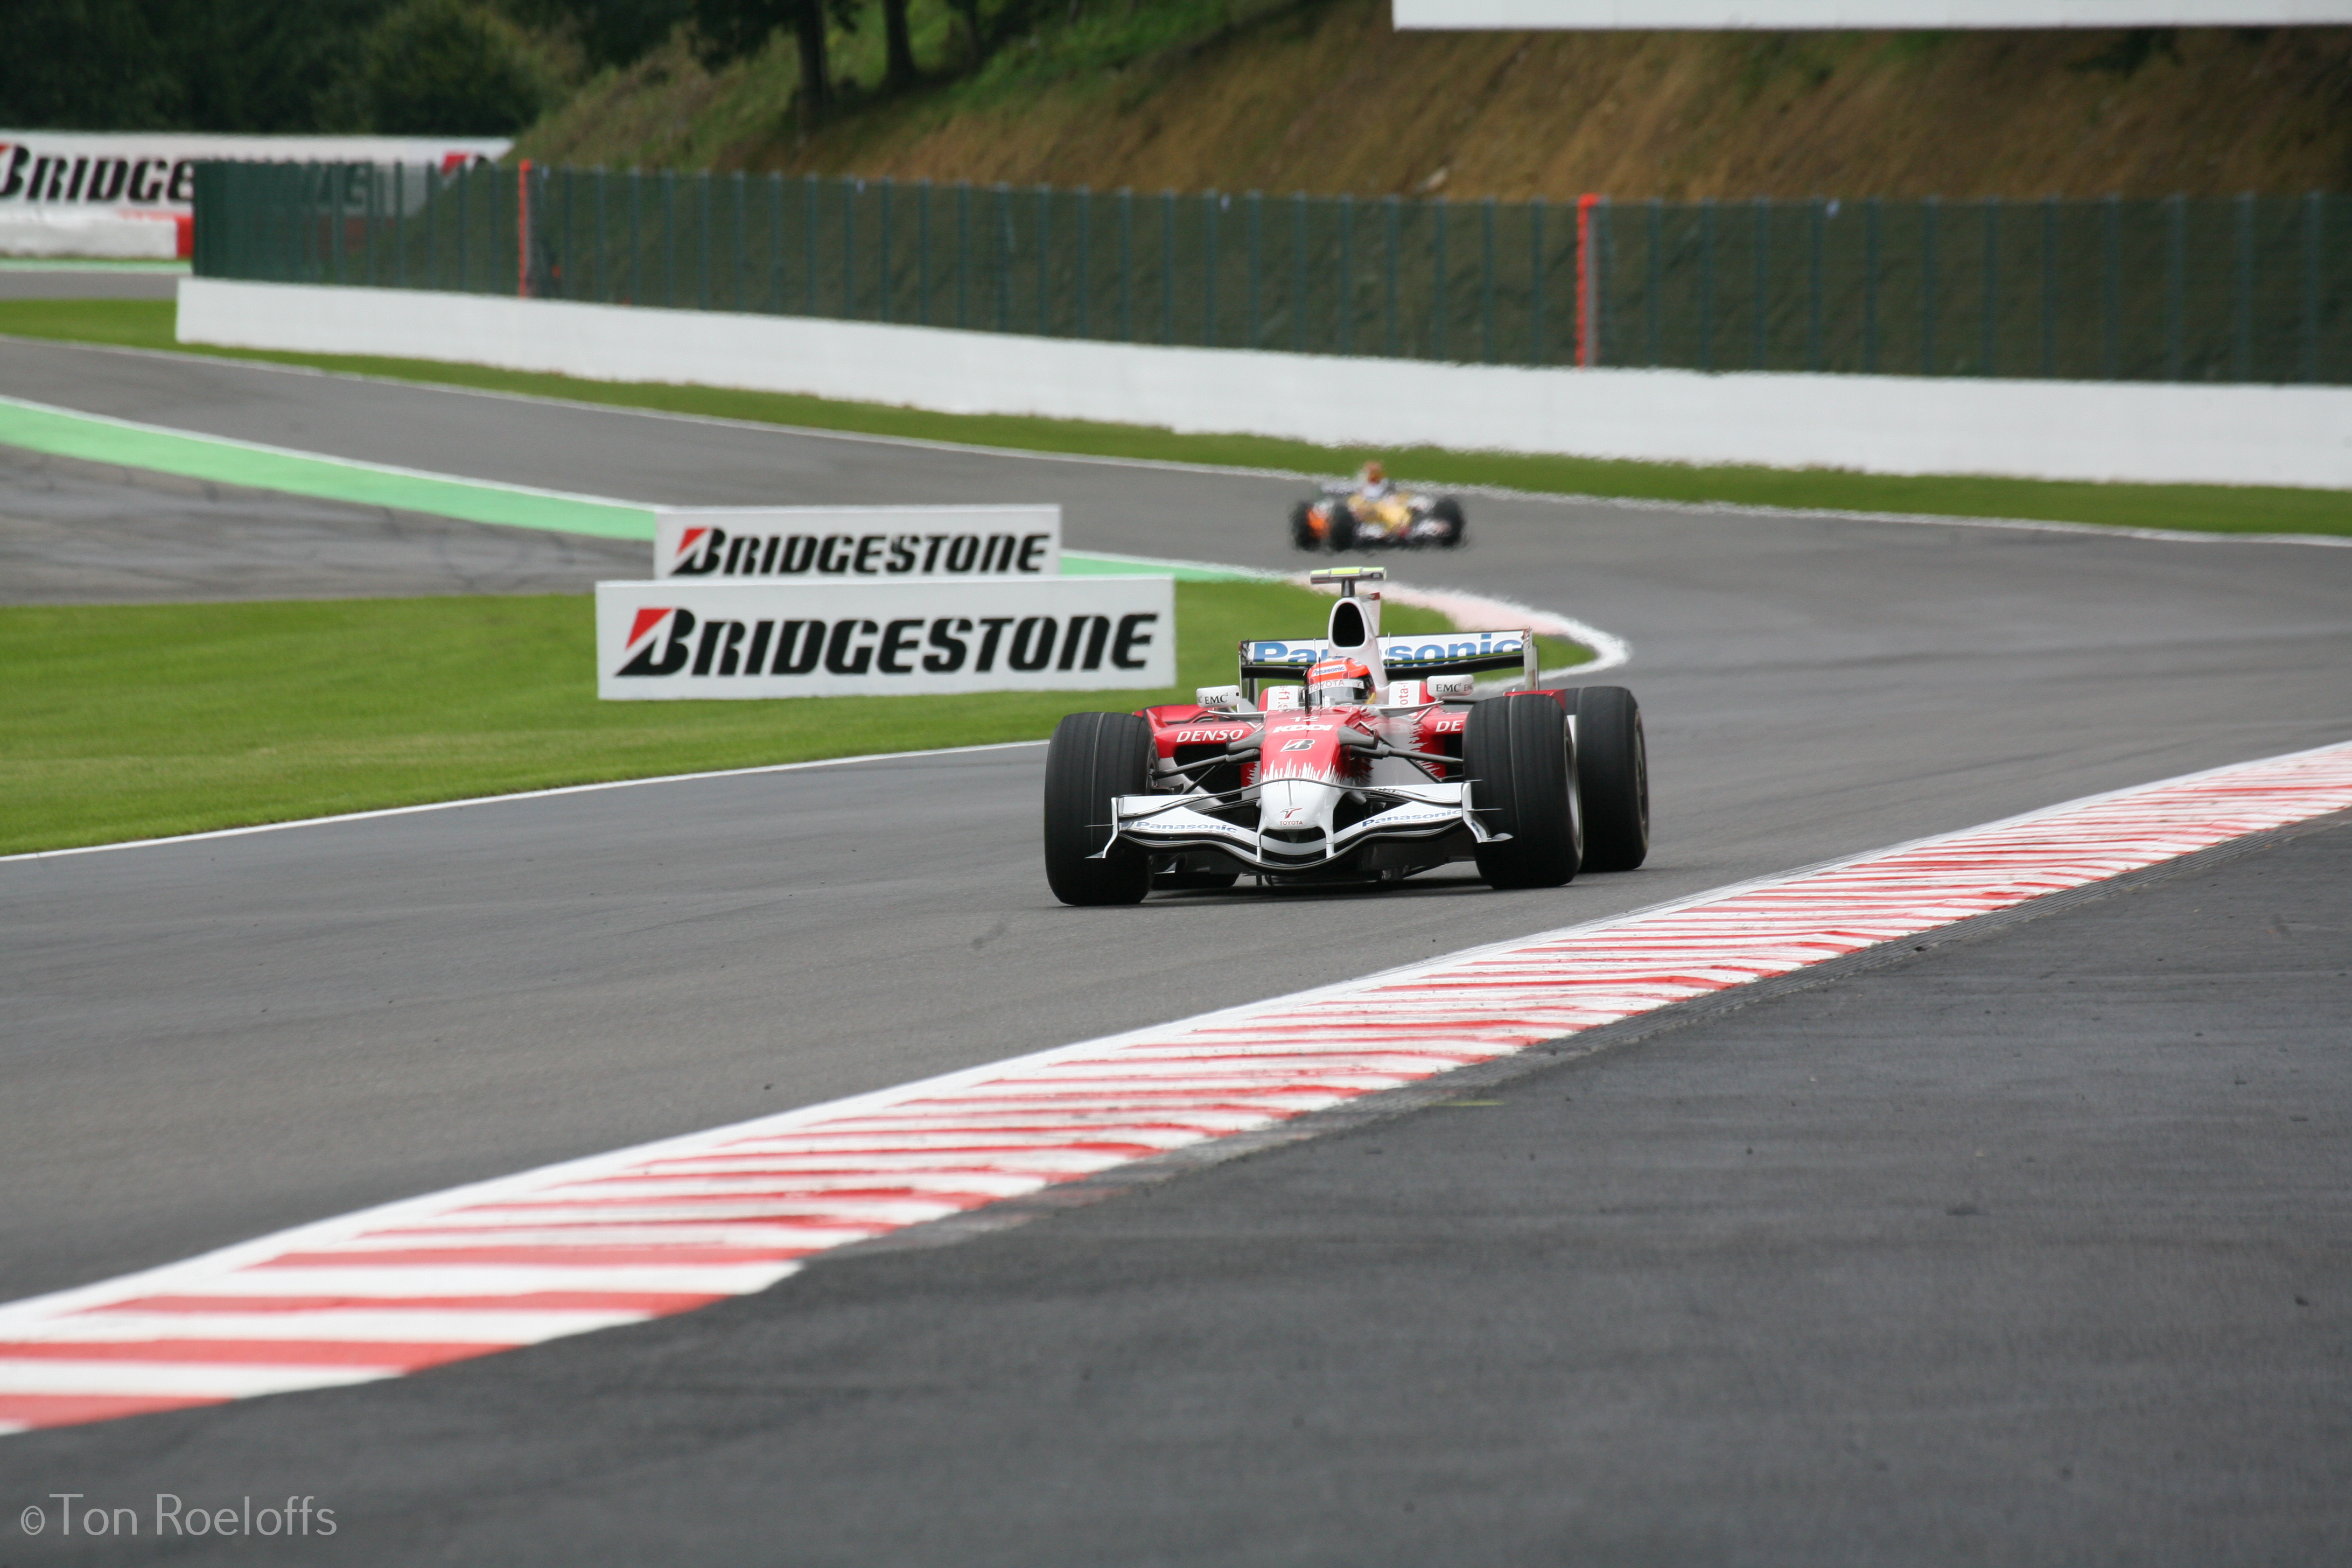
(1092, 758)
(1521, 765)
(1613, 778)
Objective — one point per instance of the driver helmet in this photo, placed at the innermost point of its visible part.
(1339, 681)
(1374, 474)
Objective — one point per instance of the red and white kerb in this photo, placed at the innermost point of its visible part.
(666, 1228)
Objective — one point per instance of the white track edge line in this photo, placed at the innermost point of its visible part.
(325, 1232)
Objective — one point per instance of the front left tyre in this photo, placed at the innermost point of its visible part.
(1302, 527)
(1521, 765)
(1092, 758)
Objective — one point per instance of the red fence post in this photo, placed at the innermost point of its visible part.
(1587, 342)
(522, 230)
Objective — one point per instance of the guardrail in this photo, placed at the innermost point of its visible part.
(2247, 289)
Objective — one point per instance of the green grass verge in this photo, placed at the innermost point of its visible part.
(147, 324)
(136, 721)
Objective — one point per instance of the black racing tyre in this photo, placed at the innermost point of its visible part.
(1091, 758)
(1302, 527)
(1522, 770)
(1613, 778)
(1339, 527)
(1448, 511)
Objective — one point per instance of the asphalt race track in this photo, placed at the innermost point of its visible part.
(212, 1039)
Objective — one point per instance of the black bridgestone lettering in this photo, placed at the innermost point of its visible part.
(995, 625)
(902, 553)
(1001, 548)
(931, 556)
(755, 657)
(142, 192)
(735, 555)
(13, 180)
(1033, 643)
(1033, 556)
(1131, 636)
(867, 548)
(824, 561)
(964, 552)
(712, 631)
(665, 655)
(1097, 631)
(953, 649)
(797, 554)
(184, 181)
(838, 651)
(798, 648)
(899, 639)
(768, 556)
(106, 179)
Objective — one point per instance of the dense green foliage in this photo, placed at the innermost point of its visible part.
(450, 68)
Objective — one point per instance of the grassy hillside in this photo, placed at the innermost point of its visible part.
(1322, 95)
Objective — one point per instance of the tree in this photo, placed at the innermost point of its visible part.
(728, 29)
(898, 46)
(449, 68)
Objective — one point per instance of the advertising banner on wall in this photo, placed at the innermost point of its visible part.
(878, 638)
(849, 544)
(132, 194)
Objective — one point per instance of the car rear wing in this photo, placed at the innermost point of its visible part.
(1407, 657)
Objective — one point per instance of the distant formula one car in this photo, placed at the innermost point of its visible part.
(1373, 514)
(1353, 777)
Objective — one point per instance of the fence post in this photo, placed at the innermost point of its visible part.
(923, 252)
(1763, 260)
(1441, 296)
(1584, 204)
(1604, 248)
(1873, 215)
(1086, 257)
(2111, 288)
(776, 240)
(1346, 273)
(2313, 213)
(964, 253)
(808, 240)
(882, 254)
(1654, 272)
(702, 223)
(1817, 235)
(2176, 288)
(1256, 224)
(2242, 314)
(1535, 280)
(1044, 261)
(1706, 283)
(1486, 282)
(1213, 204)
(1929, 211)
(2050, 288)
(849, 189)
(400, 225)
(1395, 241)
(1127, 264)
(1990, 347)
(1168, 267)
(1298, 272)
(372, 203)
(669, 238)
(1003, 257)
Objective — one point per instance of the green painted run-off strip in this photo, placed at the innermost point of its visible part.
(63, 433)
(90, 437)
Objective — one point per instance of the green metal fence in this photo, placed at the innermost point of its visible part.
(2250, 288)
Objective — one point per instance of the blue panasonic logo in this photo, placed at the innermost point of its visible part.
(1398, 652)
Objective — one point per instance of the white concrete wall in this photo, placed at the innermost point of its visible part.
(49, 231)
(1775, 15)
(1893, 424)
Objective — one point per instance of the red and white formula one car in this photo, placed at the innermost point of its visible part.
(1355, 775)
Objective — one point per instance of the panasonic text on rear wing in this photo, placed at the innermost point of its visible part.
(1448, 653)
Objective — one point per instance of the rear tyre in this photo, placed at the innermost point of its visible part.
(1339, 528)
(1522, 770)
(1458, 528)
(1091, 758)
(1302, 527)
(1612, 777)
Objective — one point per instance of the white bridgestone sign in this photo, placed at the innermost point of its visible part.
(675, 638)
(837, 543)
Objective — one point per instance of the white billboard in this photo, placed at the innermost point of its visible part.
(1773, 16)
(670, 639)
(850, 542)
